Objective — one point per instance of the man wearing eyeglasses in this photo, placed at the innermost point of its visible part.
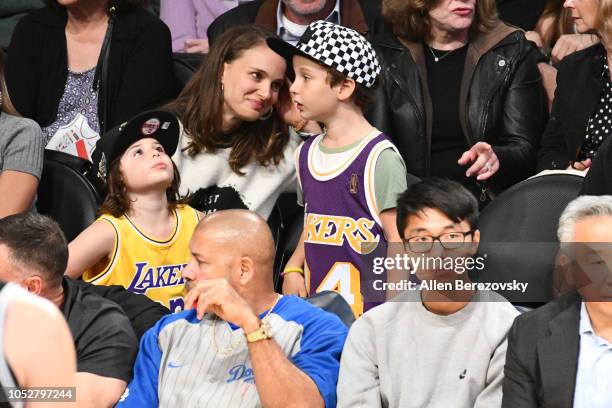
(439, 345)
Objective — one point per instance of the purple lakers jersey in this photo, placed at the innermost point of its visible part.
(342, 226)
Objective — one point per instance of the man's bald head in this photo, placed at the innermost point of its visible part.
(241, 233)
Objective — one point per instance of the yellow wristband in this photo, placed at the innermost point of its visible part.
(293, 270)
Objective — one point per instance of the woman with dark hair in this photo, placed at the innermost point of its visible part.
(461, 94)
(81, 67)
(21, 155)
(236, 150)
(581, 116)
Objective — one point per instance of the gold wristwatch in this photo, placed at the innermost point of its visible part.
(263, 333)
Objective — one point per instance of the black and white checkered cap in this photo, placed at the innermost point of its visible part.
(334, 46)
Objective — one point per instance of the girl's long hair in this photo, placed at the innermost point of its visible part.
(117, 201)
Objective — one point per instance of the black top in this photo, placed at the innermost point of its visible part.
(103, 336)
(140, 68)
(142, 311)
(521, 13)
(448, 141)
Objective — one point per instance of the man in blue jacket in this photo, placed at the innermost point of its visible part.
(239, 330)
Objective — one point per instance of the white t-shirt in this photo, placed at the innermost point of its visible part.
(214, 186)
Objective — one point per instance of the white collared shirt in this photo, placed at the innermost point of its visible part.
(291, 32)
(594, 376)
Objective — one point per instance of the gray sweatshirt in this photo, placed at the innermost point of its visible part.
(399, 354)
(21, 147)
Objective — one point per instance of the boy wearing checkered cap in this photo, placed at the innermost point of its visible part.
(349, 176)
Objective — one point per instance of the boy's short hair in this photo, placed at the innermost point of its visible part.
(447, 196)
(362, 97)
(36, 243)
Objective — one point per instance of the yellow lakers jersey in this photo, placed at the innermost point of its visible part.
(147, 266)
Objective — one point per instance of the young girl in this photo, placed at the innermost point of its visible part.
(141, 240)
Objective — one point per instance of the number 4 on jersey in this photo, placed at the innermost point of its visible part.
(344, 278)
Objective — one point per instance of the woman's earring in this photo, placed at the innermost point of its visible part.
(1, 99)
(267, 115)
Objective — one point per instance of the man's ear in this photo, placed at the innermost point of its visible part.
(33, 284)
(247, 269)
(346, 89)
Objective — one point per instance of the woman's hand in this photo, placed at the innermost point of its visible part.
(196, 45)
(580, 165)
(535, 37)
(486, 163)
(290, 115)
(286, 108)
(570, 43)
(294, 284)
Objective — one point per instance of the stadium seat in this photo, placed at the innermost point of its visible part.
(519, 235)
(184, 67)
(66, 195)
(285, 221)
(334, 303)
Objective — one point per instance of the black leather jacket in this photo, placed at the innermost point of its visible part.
(502, 101)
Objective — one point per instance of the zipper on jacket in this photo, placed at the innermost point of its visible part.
(485, 114)
(484, 191)
(509, 64)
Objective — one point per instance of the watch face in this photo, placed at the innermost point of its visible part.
(266, 329)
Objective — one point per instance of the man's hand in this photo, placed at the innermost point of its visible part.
(484, 158)
(218, 297)
(196, 45)
(294, 284)
(569, 43)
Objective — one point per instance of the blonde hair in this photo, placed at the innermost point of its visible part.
(603, 24)
(410, 18)
(6, 105)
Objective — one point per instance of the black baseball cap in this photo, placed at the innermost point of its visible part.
(160, 125)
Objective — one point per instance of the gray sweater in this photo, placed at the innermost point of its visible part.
(21, 146)
(399, 354)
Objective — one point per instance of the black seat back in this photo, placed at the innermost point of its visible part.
(519, 235)
(334, 303)
(67, 196)
(185, 65)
